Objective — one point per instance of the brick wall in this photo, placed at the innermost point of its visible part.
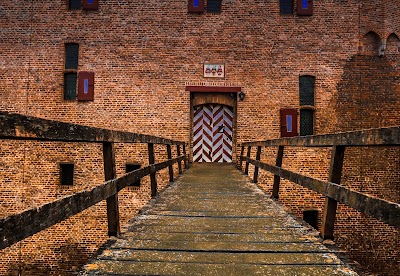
(144, 53)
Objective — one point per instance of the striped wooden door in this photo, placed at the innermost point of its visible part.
(212, 129)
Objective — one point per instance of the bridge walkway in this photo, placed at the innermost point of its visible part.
(213, 221)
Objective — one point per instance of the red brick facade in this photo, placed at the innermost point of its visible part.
(145, 53)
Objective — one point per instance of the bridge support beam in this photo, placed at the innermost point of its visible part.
(170, 167)
(246, 170)
(178, 151)
(256, 169)
(153, 179)
(335, 175)
(240, 165)
(277, 178)
(112, 201)
(185, 161)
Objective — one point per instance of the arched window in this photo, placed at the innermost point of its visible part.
(371, 43)
(392, 44)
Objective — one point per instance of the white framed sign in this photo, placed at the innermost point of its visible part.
(214, 70)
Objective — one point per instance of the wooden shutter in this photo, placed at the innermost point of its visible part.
(90, 4)
(86, 86)
(288, 122)
(196, 6)
(304, 7)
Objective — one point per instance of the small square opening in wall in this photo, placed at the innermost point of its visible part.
(311, 217)
(131, 168)
(67, 174)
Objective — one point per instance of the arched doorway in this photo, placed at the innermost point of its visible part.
(212, 133)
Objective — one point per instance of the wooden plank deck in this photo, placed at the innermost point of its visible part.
(214, 222)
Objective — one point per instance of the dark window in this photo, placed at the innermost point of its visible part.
(70, 86)
(286, 6)
(131, 168)
(214, 6)
(306, 122)
(74, 4)
(67, 174)
(71, 55)
(307, 84)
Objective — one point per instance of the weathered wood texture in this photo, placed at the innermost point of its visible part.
(112, 202)
(371, 137)
(16, 126)
(17, 227)
(386, 211)
(335, 175)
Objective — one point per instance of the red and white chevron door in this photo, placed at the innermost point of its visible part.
(212, 130)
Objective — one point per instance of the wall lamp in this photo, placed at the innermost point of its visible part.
(241, 96)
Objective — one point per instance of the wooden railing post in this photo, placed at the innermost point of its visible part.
(170, 167)
(153, 179)
(112, 201)
(246, 170)
(240, 158)
(178, 150)
(256, 169)
(185, 161)
(277, 178)
(335, 174)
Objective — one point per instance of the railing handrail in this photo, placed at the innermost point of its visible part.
(383, 210)
(388, 136)
(21, 127)
(17, 227)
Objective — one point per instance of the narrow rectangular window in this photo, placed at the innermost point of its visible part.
(305, 7)
(196, 6)
(67, 174)
(286, 6)
(71, 55)
(306, 122)
(70, 86)
(306, 88)
(90, 4)
(307, 104)
(131, 168)
(74, 4)
(214, 6)
(86, 86)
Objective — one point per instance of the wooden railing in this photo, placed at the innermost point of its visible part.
(17, 227)
(386, 211)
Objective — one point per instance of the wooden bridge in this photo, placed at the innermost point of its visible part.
(211, 221)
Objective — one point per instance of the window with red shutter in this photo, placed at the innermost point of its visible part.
(288, 122)
(90, 4)
(304, 7)
(196, 6)
(86, 86)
